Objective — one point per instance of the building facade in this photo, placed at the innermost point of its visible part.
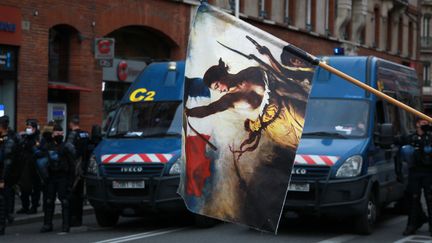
(426, 51)
(48, 69)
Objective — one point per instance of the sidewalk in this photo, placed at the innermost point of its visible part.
(38, 217)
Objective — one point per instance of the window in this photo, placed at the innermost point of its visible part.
(287, 12)
(262, 9)
(400, 35)
(148, 119)
(425, 32)
(377, 18)
(59, 53)
(309, 14)
(426, 74)
(336, 117)
(326, 17)
(393, 118)
(290, 11)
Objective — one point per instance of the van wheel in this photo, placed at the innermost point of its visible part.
(204, 222)
(106, 218)
(365, 222)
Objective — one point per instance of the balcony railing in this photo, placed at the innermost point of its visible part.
(426, 42)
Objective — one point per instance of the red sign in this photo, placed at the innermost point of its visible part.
(104, 48)
(10, 26)
(122, 70)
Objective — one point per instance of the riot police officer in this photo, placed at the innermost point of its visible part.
(61, 174)
(80, 140)
(420, 177)
(30, 183)
(7, 153)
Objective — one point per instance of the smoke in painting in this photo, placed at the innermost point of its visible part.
(244, 106)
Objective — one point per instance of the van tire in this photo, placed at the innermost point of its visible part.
(106, 218)
(365, 222)
(204, 222)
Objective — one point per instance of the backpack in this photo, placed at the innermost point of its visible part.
(15, 168)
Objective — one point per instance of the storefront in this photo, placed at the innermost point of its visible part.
(10, 40)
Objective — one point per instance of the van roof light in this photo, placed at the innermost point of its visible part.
(172, 66)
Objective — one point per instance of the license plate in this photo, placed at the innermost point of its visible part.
(296, 187)
(128, 184)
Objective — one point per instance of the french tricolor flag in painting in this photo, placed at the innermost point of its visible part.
(198, 165)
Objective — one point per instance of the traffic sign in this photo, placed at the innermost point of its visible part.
(104, 48)
(106, 62)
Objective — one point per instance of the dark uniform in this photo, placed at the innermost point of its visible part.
(30, 183)
(7, 153)
(61, 175)
(80, 140)
(420, 178)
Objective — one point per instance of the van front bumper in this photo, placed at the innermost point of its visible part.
(341, 197)
(159, 194)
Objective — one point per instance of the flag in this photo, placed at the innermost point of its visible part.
(244, 106)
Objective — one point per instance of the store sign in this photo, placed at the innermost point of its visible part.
(10, 26)
(7, 59)
(104, 48)
(2, 110)
(7, 27)
(123, 70)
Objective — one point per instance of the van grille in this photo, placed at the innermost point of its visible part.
(133, 170)
(312, 172)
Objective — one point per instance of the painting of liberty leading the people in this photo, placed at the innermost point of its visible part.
(242, 131)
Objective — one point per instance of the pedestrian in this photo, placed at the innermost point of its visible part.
(30, 183)
(61, 175)
(7, 155)
(80, 140)
(420, 177)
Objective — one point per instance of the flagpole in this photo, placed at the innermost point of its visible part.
(314, 60)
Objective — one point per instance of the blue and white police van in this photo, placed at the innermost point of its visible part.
(135, 169)
(347, 162)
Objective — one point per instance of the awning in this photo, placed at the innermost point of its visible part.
(67, 86)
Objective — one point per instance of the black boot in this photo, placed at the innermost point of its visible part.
(2, 213)
(48, 218)
(428, 197)
(416, 217)
(46, 228)
(65, 216)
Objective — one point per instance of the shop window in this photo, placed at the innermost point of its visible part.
(59, 53)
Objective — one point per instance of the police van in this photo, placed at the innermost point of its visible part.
(134, 170)
(347, 162)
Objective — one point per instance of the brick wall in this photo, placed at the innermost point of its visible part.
(169, 19)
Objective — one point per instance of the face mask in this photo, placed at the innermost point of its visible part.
(425, 128)
(29, 131)
(58, 139)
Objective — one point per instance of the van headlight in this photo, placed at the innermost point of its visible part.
(351, 167)
(92, 167)
(176, 167)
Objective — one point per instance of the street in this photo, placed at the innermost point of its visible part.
(180, 228)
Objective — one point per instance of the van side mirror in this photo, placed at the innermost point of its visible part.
(384, 135)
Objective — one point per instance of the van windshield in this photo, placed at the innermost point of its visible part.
(340, 118)
(148, 119)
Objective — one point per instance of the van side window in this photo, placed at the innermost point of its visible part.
(392, 113)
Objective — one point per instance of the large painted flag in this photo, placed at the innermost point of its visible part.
(245, 100)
